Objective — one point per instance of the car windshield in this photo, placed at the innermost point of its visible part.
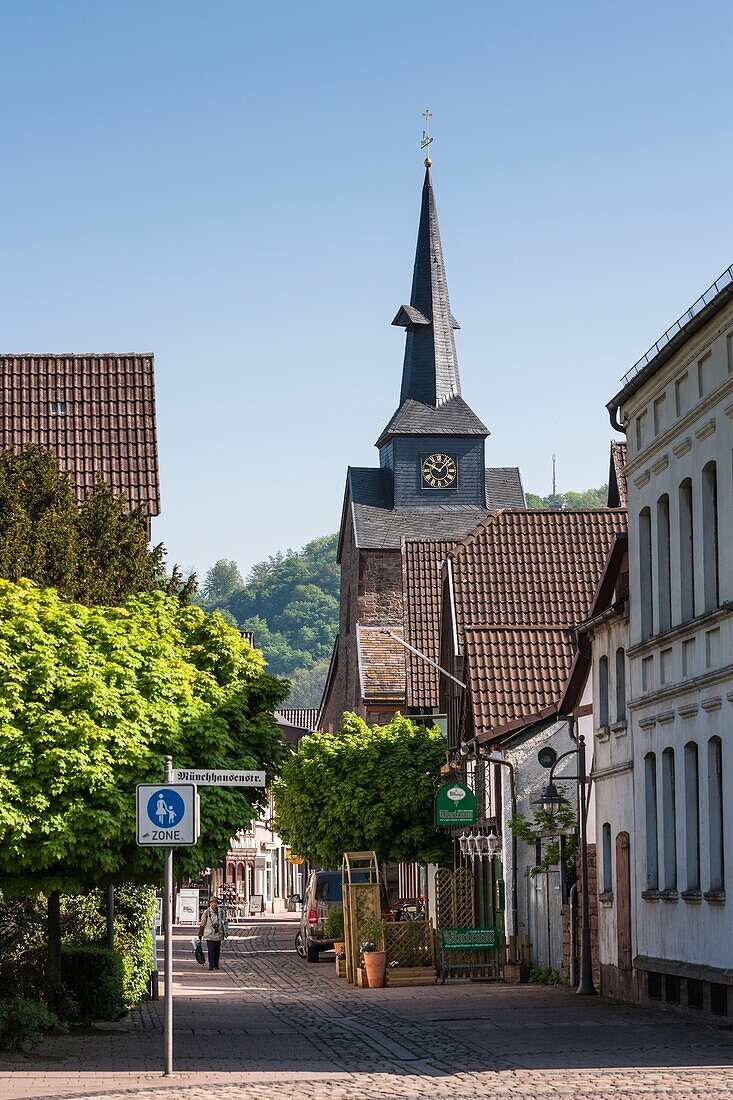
(328, 886)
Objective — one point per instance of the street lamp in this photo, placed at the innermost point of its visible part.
(551, 800)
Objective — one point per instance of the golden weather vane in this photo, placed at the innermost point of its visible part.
(426, 138)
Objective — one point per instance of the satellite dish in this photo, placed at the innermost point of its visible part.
(547, 756)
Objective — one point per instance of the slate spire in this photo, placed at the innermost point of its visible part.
(430, 371)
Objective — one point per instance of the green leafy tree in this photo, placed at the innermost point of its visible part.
(220, 582)
(91, 699)
(363, 789)
(590, 498)
(306, 685)
(96, 552)
(290, 602)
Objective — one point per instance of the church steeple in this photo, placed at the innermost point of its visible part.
(430, 370)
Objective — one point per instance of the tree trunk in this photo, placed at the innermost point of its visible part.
(53, 962)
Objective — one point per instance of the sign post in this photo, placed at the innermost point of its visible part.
(167, 817)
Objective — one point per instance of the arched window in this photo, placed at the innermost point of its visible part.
(692, 816)
(687, 552)
(652, 850)
(664, 582)
(603, 691)
(715, 813)
(669, 820)
(645, 572)
(607, 860)
(710, 534)
(620, 685)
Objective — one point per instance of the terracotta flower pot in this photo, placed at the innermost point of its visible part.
(338, 946)
(375, 964)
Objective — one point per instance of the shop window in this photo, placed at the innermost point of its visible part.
(687, 552)
(620, 685)
(669, 820)
(710, 535)
(645, 572)
(652, 850)
(692, 816)
(715, 813)
(603, 691)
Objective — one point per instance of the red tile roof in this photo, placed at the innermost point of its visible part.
(515, 674)
(422, 591)
(533, 567)
(381, 663)
(522, 580)
(96, 412)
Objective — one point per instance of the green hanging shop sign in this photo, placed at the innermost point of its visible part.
(455, 805)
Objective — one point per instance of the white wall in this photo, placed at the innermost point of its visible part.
(682, 679)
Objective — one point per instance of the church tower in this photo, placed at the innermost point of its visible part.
(432, 450)
(431, 483)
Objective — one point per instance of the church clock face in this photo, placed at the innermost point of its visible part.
(440, 471)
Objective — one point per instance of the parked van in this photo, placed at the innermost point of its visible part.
(322, 894)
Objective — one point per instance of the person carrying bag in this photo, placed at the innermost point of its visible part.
(213, 929)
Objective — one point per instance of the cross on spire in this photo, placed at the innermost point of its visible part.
(426, 138)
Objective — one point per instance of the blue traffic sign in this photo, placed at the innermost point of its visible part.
(167, 814)
(166, 808)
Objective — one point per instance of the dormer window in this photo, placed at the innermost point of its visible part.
(58, 408)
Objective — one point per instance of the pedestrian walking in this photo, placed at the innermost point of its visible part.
(214, 930)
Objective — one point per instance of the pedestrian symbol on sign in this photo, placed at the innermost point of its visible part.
(166, 808)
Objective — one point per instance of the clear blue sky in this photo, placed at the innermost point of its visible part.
(234, 186)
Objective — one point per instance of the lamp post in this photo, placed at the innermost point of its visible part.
(551, 800)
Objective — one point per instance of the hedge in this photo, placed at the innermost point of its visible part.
(93, 977)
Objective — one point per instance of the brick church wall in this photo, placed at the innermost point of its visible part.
(371, 592)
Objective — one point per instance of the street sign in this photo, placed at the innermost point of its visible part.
(167, 815)
(455, 804)
(209, 777)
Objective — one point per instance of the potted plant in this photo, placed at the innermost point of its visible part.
(516, 972)
(333, 929)
(375, 959)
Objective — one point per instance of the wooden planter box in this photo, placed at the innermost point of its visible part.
(361, 978)
(340, 968)
(516, 973)
(398, 976)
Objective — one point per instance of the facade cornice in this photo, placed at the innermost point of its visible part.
(613, 770)
(684, 687)
(680, 427)
(649, 645)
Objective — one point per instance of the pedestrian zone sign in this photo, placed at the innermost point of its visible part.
(167, 815)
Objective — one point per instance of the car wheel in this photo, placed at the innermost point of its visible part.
(299, 945)
(313, 954)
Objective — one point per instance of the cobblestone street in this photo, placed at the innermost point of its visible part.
(270, 1025)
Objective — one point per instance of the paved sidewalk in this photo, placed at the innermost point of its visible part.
(269, 1025)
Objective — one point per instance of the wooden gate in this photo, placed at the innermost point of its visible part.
(623, 901)
(454, 903)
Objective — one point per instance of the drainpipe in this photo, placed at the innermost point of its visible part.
(613, 417)
(496, 757)
(573, 939)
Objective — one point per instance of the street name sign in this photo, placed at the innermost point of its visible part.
(167, 815)
(209, 777)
